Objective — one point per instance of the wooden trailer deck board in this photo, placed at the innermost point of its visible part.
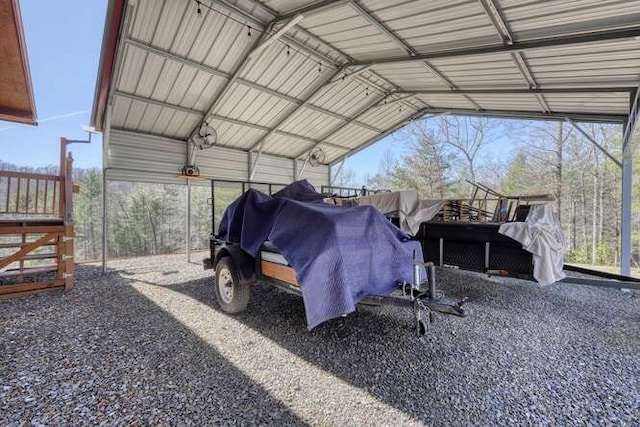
(279, 272)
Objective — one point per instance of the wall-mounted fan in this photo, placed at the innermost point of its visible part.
(316, 157)
(206, 136)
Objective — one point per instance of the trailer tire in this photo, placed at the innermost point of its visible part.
(232, 294)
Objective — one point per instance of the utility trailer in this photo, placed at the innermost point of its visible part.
(479, 247)
(236, 272)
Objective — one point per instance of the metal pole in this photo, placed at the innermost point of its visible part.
(106, 136)
(188, 222)
(625, 238)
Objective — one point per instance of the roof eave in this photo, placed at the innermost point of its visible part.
(110, 37)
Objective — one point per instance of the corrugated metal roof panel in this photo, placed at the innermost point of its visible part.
(252, 105)
(310, 123)
(445, 100)
(235, 135)
(282, 145)
(189, 59)
(410, 76)
(351, 136)
(616, 103)
(527, 16)
(516, 102)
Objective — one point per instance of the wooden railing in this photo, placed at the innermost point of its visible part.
(36, 230)
(29, 194)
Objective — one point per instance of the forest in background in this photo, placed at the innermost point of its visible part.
(436, 157)
(439, 157)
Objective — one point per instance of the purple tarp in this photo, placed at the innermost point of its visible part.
(339, 254)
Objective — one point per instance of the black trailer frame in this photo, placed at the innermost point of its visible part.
(245, 270)
(477, 246)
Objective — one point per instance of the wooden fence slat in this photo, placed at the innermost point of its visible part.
(22, 287)
(26, 249)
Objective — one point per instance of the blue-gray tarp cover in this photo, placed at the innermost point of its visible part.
(339, 254)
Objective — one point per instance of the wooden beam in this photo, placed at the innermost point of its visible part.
(10, 291)
(279, 272)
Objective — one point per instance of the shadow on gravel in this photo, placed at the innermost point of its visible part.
(512, 357)
(104, 353)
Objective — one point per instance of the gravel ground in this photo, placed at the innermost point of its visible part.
(148, 345)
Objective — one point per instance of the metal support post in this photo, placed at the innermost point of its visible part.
(625, 232)
(188, 221)
(106, 137)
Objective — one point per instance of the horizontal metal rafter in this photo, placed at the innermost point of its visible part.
(360, 114)
(504, 91)
(220, 118)
(382, 28)
(492, 9)
(314, 8)
(517, 46)
(238, 80)
(397, 126)
(534, 115)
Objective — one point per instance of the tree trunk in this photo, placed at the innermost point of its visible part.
(558, 170)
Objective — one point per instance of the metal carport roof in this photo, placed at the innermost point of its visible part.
(283, 76)
(277, 78)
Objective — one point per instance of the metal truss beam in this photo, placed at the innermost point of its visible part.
(220, 118)
(222, 74)
(517, 46)
(134, 97)
(452, 87)
(534, 115)
(506, 91)
(278, 20)
(632, 121)
(382, 28)
(360, 114)
(305, 103)
(398, 125)
(235, 75)
(493, 11)
(314, 8)
(593, 141)
(281, 32)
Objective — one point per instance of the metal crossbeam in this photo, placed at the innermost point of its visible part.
(382, 28)
(222, 74)
(593, 141)
(517, 46)
(452, 87)
(361, 113)
(632, 121)
(281, 32)
(493, 11)
(300, 106)
(535, 115)
(520, 91)
(289, 40)
(314, 8)
(398, 125)
(220, 118)
(235, 75)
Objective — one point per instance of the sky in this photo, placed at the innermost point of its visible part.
(63, 46)
(64, 60)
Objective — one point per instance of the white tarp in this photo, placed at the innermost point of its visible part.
(541, 235)
(406, 206)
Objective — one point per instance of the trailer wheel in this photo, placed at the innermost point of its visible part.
(232, 295)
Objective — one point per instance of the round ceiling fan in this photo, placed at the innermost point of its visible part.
(316, 157)
(206, 136)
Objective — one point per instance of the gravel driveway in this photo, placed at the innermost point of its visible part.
(148, 345)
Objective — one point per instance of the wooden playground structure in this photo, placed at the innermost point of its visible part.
(36, 230)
